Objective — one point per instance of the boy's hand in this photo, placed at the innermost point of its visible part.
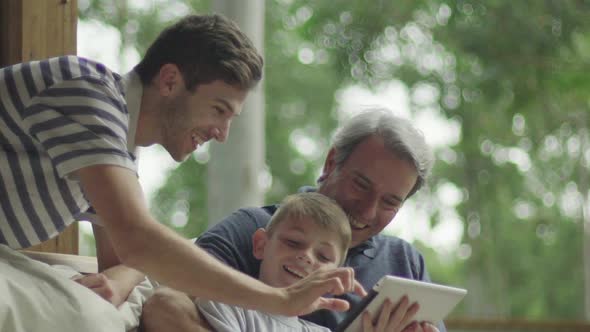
(337, 281)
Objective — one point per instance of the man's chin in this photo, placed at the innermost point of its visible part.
(179, 158)
(358, 236)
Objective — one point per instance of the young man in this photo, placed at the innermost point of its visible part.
(376, 162)
(68, 126)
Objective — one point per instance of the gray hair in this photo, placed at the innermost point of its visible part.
(398, 134)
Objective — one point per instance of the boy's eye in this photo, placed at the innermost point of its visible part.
(324, 259)
(220, 110)
(361, 184)
(292, 243)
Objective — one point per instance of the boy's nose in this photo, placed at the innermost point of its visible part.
(304, 257)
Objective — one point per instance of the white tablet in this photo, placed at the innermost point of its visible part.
(436, 301)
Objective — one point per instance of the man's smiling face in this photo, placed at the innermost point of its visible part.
(191, 118)
(370, 186)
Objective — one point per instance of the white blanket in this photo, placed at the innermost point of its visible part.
(37, 297)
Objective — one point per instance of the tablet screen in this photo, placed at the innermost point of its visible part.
(436, 301)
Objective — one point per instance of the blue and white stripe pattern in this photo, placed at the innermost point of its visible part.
(56, 116)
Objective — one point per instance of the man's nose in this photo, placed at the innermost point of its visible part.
(222, 132)
(368, 208)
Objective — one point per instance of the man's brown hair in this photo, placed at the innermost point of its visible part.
(205, 48)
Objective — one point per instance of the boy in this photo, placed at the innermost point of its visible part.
(308, 234)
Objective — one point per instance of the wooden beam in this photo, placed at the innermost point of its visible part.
(514, 324)
(33, 30)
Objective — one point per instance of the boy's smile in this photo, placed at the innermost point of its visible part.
(294, 249)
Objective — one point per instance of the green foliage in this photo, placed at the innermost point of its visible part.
(511, 74)
(184, 198)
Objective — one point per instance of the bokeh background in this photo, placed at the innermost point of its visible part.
(500, 88)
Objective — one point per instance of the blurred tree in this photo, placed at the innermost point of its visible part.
(509, 76)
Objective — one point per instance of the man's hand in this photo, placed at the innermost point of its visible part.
(103, 286)
(299, 297)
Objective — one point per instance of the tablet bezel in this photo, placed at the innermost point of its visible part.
(436, 301)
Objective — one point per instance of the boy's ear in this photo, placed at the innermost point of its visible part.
(259, 242)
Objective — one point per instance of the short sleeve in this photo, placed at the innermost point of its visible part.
(222, 317)
(80, 122)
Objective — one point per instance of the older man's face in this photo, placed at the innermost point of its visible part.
(370, 186)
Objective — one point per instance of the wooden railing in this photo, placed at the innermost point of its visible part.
(514, 325)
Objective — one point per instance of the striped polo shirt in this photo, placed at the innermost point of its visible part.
(56, 116)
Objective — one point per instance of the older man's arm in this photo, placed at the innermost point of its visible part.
(171, 310)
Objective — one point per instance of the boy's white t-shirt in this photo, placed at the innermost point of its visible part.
(227, 318)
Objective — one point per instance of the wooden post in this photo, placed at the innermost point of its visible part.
(32, 30)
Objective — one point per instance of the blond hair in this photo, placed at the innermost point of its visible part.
(323, 211)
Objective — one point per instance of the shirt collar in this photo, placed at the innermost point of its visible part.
(133, 90)
(367, 248)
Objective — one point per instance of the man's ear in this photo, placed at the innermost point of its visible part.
(169, 79)
(329, 164)
(259, 239)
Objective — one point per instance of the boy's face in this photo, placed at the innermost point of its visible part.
(296, 248)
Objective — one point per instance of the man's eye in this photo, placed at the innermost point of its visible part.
(391, 205)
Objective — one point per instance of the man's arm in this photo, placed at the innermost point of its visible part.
(230, 241)
(114, 281)
(142, 243)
